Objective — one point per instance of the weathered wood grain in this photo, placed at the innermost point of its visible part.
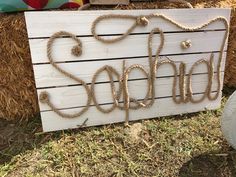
(70, 97)
(85, 70)
(162, 107)
(79, 22)
(132, 46)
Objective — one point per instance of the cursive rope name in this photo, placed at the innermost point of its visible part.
(128, 103)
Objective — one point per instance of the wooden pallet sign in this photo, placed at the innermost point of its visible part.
(101, 67)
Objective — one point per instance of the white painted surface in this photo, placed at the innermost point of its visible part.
(79, 22)
(85, 70)
(75, 96)
(133, 50)
(132, 46)
(162, 107)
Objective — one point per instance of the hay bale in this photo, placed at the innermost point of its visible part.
(230, 74)
(17, 88)
(18, 99)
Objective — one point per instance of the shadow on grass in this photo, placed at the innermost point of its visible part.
(215, 164)
(220, 164)
(16, 138)
(227, 91)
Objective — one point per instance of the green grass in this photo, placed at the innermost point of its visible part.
(186, 146)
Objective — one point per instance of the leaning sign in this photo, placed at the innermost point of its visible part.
(100, 67)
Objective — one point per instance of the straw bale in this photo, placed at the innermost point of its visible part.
(17, 88)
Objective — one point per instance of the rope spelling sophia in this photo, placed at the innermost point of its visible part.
(185, 86)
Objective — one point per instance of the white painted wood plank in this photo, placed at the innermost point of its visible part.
(79, 22)
(132, 46)
(52, 121)
(47, 76)
(75, 96)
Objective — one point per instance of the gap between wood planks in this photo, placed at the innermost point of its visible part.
(134, 33)
(103, 104)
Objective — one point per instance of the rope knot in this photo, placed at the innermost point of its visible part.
(44, 97)
(186, 44)
(77, 50)
(142, 21)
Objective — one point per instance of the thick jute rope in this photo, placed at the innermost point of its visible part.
(184, 98)
(77, 51)
(185, 85)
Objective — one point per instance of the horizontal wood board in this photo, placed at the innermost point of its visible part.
(133, 46)
(52, 122)
(70, 96)
(85, 70)
(79, 22)
(75, 96)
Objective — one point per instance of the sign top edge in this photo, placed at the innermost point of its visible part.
(179, 9)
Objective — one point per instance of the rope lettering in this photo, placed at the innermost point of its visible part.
(129, 103)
